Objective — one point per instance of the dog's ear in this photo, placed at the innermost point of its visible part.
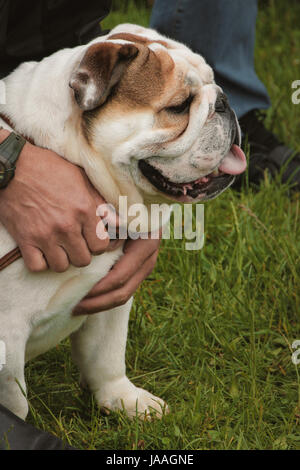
(99, 71)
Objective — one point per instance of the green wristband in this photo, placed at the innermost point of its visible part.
(10, 150)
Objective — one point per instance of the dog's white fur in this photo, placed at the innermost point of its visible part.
(36, 308)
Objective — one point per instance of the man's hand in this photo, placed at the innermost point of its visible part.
(49, 208)
(121, 282)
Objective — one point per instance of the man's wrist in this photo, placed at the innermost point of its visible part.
(10, 150)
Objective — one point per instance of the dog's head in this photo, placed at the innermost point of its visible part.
(151, 108)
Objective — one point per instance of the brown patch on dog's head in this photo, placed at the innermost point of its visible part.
(131, 77)
(167, 63)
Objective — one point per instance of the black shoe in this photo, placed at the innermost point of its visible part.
(15, 434)
(267, 153)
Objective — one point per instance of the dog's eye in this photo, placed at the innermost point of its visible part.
(182, 108)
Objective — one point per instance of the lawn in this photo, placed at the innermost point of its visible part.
(210, 330)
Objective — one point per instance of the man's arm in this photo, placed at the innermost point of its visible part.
(53, 220)
(118, 286)
(49, 208)
(52, 224)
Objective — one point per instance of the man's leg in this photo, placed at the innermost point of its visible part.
(223, 32)
(15, 434)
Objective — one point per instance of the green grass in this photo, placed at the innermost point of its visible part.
(210, 330)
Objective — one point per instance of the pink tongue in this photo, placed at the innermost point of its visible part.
(235, 161)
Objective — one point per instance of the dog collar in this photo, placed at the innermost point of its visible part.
(10, 257)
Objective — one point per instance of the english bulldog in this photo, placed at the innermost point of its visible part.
(142, 115)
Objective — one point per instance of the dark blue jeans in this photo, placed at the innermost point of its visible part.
(223, 32)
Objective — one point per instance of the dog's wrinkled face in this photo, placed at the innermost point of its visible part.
(151, 107)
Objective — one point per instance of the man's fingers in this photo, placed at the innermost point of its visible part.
(132, 260)
(140, 246)
(90, 305)
(96, 225)
(68, 248)
(95, 235)
(77, 250)
(57, 259)
(33, 258)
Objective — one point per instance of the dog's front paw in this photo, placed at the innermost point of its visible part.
(123, 395)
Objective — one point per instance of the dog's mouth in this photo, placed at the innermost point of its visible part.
(206, 187)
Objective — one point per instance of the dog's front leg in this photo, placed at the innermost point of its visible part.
(98, 349)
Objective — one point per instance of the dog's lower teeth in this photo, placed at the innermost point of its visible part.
(193, 189)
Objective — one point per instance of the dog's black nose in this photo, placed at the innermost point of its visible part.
(221, 104)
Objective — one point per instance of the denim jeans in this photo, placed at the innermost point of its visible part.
(223, 32)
